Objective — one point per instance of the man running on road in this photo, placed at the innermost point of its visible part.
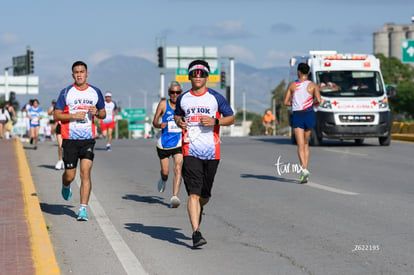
(169, 143)
(76, 106)
(200, 112)
(302, 94)
(108, 124)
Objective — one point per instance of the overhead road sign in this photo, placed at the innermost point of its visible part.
(22, 85)
(407, 49)
(136, 118)
(179, 57)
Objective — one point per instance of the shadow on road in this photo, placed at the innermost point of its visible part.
(146, 199)
(168, 234)
(58, 209)
(275, 140)
(47, 166)
(267, 177)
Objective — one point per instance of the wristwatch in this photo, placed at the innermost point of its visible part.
(216, 122)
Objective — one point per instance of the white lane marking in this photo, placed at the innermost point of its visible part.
(330, 189)
(345, 152)
(127, 258)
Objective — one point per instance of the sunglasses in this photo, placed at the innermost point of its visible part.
(198, 73)
(175, 92)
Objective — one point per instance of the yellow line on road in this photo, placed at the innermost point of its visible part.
(42, 249)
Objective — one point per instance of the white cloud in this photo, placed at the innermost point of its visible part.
(8, 38)
(278, 58)
(149, 54)
(282, 28)
(324, 32)
(239, 53)
(223, 31)
(99, 56)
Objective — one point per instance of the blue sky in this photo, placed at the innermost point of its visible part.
(260, 33)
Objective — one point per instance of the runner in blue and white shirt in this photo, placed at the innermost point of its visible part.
(34, 115)
(169, 142)
(76, 107)
(200, 112)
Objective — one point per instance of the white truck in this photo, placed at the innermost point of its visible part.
(355, 101)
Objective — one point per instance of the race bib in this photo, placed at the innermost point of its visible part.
(172, 127)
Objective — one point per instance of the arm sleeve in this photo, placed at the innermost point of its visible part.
(61, 101)
(101, 102)
(178, 110)
(223, 106)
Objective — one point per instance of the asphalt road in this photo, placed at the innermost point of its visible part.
(355, 216)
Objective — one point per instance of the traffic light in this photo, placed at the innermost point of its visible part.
(223, 80)
(29, 62)
(160, 57)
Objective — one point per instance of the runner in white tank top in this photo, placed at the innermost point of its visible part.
(301, 99)
(300, 95)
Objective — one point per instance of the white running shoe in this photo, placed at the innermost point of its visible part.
(59, 165)
(305, 176)
(175, 202)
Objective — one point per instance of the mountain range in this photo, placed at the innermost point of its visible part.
(135, 83)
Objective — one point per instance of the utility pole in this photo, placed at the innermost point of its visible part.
(6, 83)
(232, 89)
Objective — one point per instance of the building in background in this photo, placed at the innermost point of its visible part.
(388, 41)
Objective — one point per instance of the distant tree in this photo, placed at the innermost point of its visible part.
(249, 115)
(402, 76)
(403, 103)
(257, 128)
(281, 115)
(394, 71)
(123, 128)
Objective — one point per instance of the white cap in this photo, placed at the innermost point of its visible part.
(108, 94)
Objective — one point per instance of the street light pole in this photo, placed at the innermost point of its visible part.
(162, 78)
(6, 83)
(232, 89)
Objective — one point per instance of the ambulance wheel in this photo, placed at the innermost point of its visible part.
(315, 139)
(385, 141)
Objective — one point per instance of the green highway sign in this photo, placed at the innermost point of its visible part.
(407, 47)
(136, 118)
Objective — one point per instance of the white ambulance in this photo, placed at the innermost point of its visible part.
(355, 101)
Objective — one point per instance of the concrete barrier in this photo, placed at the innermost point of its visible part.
(402, 131)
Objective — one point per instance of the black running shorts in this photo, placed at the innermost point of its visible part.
(58, 129)
(199, 175)
(77, 149)
(166, 153)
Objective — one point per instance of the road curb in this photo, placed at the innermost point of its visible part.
(403, 137)
(42, 250)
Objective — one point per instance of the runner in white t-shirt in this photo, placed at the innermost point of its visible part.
(200, 112)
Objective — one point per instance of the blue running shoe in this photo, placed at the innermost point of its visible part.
(66, 192)
(161, 185)
(82, 215)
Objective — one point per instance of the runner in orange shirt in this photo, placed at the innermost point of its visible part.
(268, 120)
